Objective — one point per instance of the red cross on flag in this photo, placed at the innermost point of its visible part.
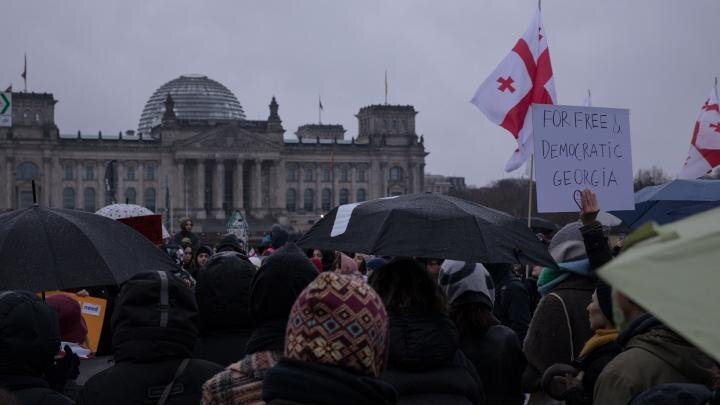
(704, 154)
(522, 78)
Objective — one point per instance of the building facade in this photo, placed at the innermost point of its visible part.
(195, 154)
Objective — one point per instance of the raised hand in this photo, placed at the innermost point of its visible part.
(589, 207)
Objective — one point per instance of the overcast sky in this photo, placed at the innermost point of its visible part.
(103, 60)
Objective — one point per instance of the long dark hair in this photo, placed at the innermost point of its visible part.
(473, 318)
(404, 284)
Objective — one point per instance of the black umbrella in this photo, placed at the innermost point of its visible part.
(428, 225)
(45, 249)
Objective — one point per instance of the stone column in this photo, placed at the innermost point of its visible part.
(79, 200)
(238, 186)
(352, 193)
(9, 182)
(219, 189)
(384, 179)
(411, 178)
(318, 188)
(46, 183)
(281, 184)
(200, 190)
(100, 179)
(257, 184)
(141, 183)
(120, 183)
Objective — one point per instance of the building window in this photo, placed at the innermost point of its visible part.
(130, 196)
(291, 173)
(291, 199)
(344, 174)
(150, 171)
(360, 195)
(27, 171)
(308, 200)
(150, 197)
(130, 172)
(396, 173)
(68, 171)
(344, 196)
(326, 199)
(89, 199)
(326, 174)
(69, 198)
(394, 124)
(361, 174)
(308, 174)
(89, 172)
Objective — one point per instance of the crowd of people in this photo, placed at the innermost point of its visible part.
(287, 326)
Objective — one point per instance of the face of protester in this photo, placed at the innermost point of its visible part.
(597, 319)
(187, 226)
(187, 257)
(318, 254)
(433, 266)
(202, 258)
(358, 260)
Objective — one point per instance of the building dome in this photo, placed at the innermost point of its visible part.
(196, 97)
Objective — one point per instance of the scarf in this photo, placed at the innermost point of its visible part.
(268, 336)
(600, 338)
(550, 277)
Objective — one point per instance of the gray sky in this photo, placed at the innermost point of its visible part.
(103, 60)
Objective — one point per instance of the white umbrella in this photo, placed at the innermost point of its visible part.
(119, 211)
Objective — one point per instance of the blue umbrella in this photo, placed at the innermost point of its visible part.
(671, 201)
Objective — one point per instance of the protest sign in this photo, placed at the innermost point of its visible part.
(578, 148)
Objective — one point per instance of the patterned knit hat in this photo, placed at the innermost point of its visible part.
(339, 321)
(465, 283)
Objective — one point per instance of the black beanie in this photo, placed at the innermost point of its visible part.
(278, 282)
(603, 291)
(29, 334)
(230, 242)
(278, 236)
(223, 290)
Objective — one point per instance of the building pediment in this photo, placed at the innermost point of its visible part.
(230, 138)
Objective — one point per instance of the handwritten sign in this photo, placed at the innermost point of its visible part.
(578, 148)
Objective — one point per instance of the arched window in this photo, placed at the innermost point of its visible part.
(308, 198)
(150, 170)
(68, 169)
(89, 199)
(343, 196)
(150, 198)
(27, 171)
(308, 174)
(326, 199)
(131, 195)
(360, 195)
(344, 174)
(361, 173)
(291, 199)
(396, 173)
(69, 198)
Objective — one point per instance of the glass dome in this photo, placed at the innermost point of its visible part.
(196, 97)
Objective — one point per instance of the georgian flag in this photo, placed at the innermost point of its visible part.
(522, 78)
(704, 153)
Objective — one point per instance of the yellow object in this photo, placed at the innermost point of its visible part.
(93, 311)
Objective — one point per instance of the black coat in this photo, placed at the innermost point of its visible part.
(33, 391)
(148, 348)
(426, 365)
(497, 355)
(299, 382)
(513, 304)
(592, 365)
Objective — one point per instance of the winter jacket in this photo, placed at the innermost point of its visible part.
(499, 360)
(426, 364)
(596, 245)
(150, 340)
(513, 304)
(29, 339)
(548, 338)
(294, 381)
(652, 355)
(222, 292)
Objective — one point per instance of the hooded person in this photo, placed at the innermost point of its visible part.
(279, 236)
(343, 313)
(29, 341)
(222, 292)
(426, 363)
(230, 242)
(202, 255)
(513, 302)
(273, 290)
(494, 349)
(154, 333)
(73, 329)
(559, 327)
(346, 265)
(185, 232)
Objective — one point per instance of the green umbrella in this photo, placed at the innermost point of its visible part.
(672, 271)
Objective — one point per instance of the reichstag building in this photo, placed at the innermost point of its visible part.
(195, 153)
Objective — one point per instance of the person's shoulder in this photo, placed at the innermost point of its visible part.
(41, 395)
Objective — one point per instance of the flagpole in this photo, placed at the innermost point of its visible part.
(530, 190)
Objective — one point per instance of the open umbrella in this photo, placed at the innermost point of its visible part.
(672, 271)
(671, 201)
(428, 225)
(121, 211)
(48, 249)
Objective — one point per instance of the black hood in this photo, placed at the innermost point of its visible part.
(223, 292)
(149, 326)
(421, 340)
(29, 334)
